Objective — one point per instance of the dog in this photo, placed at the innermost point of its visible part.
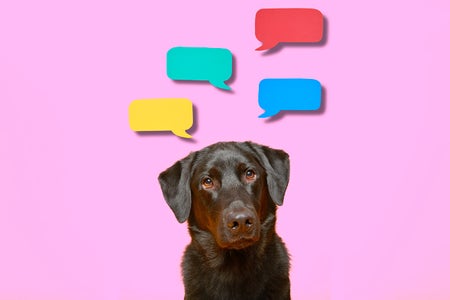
(229, 192)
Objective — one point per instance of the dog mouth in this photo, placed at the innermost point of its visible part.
(239, 242)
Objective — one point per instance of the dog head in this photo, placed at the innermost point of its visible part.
(227, 189)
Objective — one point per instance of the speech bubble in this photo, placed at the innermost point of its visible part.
(288, 25)
(200, 63)
(296, 94)
(161, 114)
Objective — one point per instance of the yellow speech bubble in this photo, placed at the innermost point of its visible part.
(161, 114)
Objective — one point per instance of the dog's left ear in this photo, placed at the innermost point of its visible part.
(176, 188)
(276, 163)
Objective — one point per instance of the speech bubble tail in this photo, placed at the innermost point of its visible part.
(182, 133)
(220, 85)
(267, 114)
(266, 46)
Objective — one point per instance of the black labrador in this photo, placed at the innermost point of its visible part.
(228, 193)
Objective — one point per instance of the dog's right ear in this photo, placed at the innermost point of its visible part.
(277, 166)
(176, 188)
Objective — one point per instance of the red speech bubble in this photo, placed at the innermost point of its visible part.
(288, 25)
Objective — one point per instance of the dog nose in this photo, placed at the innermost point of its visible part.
(241, 221)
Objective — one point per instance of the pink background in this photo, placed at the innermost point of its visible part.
(366, 214)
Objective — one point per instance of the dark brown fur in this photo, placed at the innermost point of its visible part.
(228, 193)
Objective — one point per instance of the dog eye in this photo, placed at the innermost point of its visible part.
(207, 183)
(250, 174)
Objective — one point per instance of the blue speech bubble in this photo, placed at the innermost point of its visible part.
(200, 63)
(294, 94)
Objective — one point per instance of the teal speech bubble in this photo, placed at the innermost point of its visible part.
(289, 94)
(200, 63)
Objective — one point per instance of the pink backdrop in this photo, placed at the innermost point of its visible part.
(366, 214)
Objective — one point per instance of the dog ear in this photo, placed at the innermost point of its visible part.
(277, 166)
(175, 185)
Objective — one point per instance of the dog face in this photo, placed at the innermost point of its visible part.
(227, 189)
(228, 197)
